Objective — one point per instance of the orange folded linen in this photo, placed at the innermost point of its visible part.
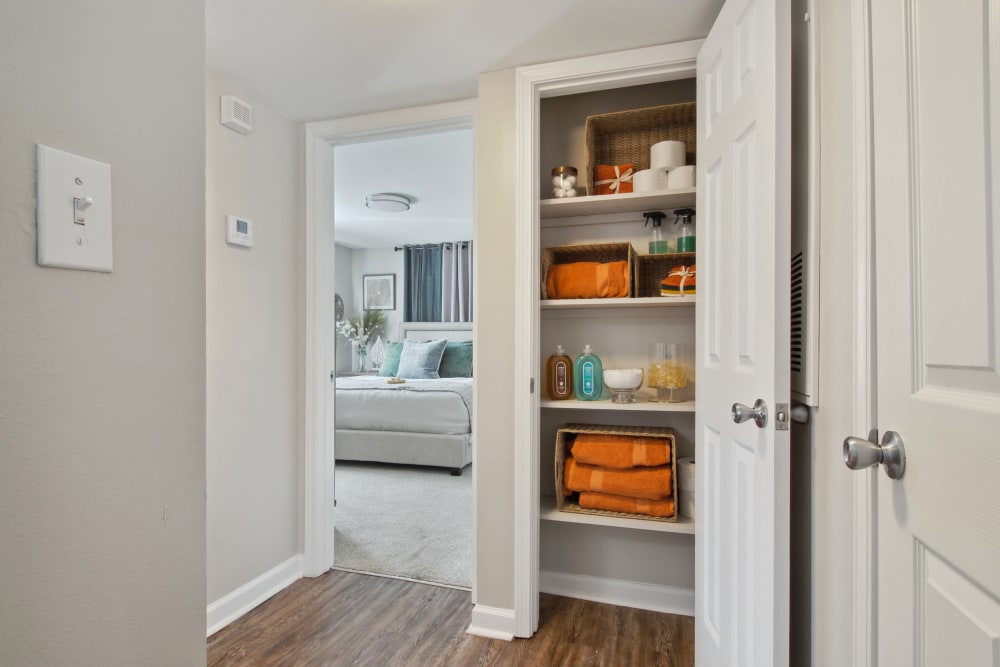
(587, 280)
(649, 483)
(605, 501)
(620, 451)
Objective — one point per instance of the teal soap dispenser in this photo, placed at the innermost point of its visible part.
(588, 376)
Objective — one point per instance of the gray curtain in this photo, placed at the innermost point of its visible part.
(456, 282)
(422, 274)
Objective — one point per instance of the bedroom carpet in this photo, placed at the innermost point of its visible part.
(404, 521)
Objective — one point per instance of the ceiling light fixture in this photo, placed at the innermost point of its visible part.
(388, 202)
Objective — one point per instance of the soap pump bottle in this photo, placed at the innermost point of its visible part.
(657, 242)
(559, 375)
(685, 236)
(588, 376)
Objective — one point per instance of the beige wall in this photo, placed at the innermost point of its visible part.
(254, 334)
(493, 247)
(102, 397)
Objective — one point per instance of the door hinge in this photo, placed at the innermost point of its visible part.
(333, 375)
(531, 386)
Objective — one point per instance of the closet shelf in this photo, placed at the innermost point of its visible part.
(548, 512)
(624, 203)
(625, 302)
(642, 404)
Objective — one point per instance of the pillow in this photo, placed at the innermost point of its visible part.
(390, 365)
(456, 362)
(419, 360)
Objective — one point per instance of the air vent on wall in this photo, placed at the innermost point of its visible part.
(237, 114)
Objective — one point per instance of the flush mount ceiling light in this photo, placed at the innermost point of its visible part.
(388, 202)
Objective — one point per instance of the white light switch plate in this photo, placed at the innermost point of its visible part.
(74, 211)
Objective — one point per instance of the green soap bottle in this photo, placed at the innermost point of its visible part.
(588, 376)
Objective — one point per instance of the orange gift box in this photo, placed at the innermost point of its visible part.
(611, 179)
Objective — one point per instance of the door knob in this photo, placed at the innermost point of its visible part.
(860, 454)
(758, 413)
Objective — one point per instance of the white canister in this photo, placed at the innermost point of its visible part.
(681, 177)
(685, 474)
(649, 180)
(685, 502)
(668, 155)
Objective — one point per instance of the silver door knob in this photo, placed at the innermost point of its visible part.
(758, 413)
(860, 454)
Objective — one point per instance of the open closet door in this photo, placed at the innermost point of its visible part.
(744, 154)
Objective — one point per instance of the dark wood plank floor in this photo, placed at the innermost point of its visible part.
(344, 618)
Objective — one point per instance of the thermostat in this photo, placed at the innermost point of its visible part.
(239, 231)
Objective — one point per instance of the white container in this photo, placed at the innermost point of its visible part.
(649, 180)
(685, 502)
(668, 155)
(685, 474)
(681, 177)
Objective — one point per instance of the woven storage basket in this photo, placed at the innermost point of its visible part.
(650, 270)
(625, 137)
(564, 438)
(589, 252)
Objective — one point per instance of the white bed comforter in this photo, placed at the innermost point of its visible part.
(416, 406)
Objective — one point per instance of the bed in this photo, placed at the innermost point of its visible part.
(419, 422)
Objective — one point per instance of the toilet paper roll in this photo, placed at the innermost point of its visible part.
(685, 502)
(649, 180)
(668, 155)
(685, 474)
(681, 177)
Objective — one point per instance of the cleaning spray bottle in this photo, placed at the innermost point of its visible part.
(657, 242)
(588, 376)
(685, 236)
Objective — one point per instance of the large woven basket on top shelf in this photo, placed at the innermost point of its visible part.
(625, 137)
(564, 439)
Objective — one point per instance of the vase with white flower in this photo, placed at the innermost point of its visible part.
(359, 330)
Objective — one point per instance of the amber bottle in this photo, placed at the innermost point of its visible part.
(559, 375)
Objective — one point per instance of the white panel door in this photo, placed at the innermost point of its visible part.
(936, 129)
(744, 153)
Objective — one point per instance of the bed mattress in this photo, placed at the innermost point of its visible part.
(415, 406)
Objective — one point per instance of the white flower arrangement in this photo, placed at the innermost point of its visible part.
(361, 329)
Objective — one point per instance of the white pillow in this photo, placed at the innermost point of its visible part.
(419, 360)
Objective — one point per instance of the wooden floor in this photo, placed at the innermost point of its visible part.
(343, 618)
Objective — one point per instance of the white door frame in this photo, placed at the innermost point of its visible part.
(318, 428)
(614, 70)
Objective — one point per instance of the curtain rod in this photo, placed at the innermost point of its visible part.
(464, 244)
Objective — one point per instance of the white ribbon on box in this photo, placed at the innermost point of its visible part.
(617, 180)
(684, 272)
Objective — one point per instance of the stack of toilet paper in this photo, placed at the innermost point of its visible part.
(667, 170)
(685, 486)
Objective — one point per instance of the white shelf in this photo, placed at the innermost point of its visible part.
(625, 302)
(548, 512)
(642, 404)
(625, 203)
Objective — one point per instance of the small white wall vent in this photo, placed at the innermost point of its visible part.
(237, 114)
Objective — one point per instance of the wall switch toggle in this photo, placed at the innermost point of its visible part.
(81, 204)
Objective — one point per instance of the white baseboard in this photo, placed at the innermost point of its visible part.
(228, 608)
(492, 622)
(668, 599)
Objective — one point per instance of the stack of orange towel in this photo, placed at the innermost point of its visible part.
(621, 473)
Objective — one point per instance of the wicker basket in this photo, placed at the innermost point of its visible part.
(564, 439)
(650, 270)
(590, 252)
(625, 137)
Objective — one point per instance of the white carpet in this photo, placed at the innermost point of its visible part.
(404, 521)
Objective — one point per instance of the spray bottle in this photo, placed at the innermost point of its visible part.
(657, 242)
(685, 236)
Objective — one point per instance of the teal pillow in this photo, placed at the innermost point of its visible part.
(390, 365)
(419, 360)
(457, 360)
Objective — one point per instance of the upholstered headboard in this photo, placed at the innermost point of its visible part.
(435, 330)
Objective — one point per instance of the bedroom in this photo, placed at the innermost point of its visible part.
(398, 510)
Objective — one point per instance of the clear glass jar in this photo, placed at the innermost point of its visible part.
(564, 181)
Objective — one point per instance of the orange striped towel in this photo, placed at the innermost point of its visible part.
(587, 280)
(650, 483)
(620, 451)
(604, 501)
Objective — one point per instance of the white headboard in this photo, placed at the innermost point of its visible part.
(435, 330)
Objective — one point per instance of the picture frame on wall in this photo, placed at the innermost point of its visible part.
(379, 291)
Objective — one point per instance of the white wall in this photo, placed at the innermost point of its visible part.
(377, 261)
(102, 398)
(343, 283)
(254, 335)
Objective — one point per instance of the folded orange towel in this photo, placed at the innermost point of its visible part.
(587, 280)
(649, 483)
(605, 501)
(620, 451)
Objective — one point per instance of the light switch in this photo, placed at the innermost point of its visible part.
(74, 211)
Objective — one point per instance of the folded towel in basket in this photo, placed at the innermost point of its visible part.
(649, 483)
(605, 501)
(620, 451)
(587, 280)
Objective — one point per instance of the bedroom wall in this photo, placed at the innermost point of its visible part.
(379, 260)
(254, 334)
(102, 402)
(343, 281)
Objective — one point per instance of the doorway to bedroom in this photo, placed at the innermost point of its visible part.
(403, 357)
